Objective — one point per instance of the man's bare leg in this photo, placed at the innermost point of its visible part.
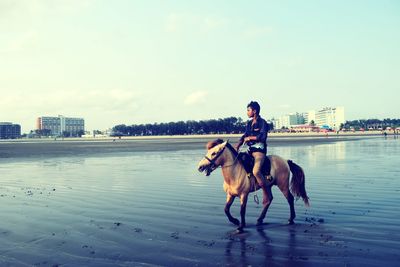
(261, 180)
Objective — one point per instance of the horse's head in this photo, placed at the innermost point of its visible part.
(213, 158)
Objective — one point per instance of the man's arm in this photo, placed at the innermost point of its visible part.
(241, 141)
(261, 136)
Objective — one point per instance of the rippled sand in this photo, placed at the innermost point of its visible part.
(152, 208)
(45, 148)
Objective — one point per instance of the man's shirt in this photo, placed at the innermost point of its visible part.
(259, 129)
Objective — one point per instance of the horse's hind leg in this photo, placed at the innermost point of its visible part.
(229, 201)
(290, 200)
(265, 209)
(283, 185)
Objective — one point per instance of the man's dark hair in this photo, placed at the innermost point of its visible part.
(254, 106)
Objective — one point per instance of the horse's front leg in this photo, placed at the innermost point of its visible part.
(243, 204)
(229, 201)
(265, 209)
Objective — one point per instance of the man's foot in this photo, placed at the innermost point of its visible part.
(269, 180)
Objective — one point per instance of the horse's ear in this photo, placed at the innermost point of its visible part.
(225, 143)
(227, 140)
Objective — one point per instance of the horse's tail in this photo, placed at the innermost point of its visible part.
(297, 183)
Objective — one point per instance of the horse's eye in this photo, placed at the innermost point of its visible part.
(213, 154)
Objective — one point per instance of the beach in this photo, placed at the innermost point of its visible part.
(142, 202)
(49, 147)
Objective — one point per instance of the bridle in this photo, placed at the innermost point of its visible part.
(213, 166)
(212, 161)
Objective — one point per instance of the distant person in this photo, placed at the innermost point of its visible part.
(255, 138)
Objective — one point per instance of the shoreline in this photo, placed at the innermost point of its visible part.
(199, 136)
(48, 148)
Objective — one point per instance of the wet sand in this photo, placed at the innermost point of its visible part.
(138, 207)
(42, 148)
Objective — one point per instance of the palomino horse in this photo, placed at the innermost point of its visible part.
(237, 184)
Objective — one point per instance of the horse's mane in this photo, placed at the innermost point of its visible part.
(232, 149)
(219, 141)
(214, 143)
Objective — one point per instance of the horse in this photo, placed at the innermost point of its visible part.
(238, 184)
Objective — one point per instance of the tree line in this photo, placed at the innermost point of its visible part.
(372, 124)
(229, 125)
(48, 133)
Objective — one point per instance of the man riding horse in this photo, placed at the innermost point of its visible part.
(255, 140)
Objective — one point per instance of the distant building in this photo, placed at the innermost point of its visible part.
(9, 130)
(330, 117)
(309, 117)
(290, 120)
(61, 125)
(53, 124)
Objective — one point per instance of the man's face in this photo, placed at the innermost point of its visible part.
(250, 112)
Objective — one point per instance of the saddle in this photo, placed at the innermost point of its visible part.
(248, 163)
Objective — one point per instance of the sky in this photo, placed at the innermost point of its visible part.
(132, 62)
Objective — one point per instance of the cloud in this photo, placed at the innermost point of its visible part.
(73, 101)
(19, 42)
(257, 32)
(285, 106)
(32, 8)
(211, 23)
(100, 108)
(196, 98)
(72, 6)
(193, 23)
(292, 62)
(173, 23)
(18, 17)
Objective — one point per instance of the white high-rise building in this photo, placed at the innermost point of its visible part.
(309, 117)
(289, 120)
(61, 125)
(330, 117)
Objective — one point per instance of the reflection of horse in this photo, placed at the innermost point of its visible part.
(237, 183)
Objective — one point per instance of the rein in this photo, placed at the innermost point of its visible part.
(212, 161)
(236, 158)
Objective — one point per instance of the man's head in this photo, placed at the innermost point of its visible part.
(253, 108)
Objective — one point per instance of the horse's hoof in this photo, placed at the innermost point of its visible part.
(239, 230)
(235, 222)
(290, 222)
(259, 223)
